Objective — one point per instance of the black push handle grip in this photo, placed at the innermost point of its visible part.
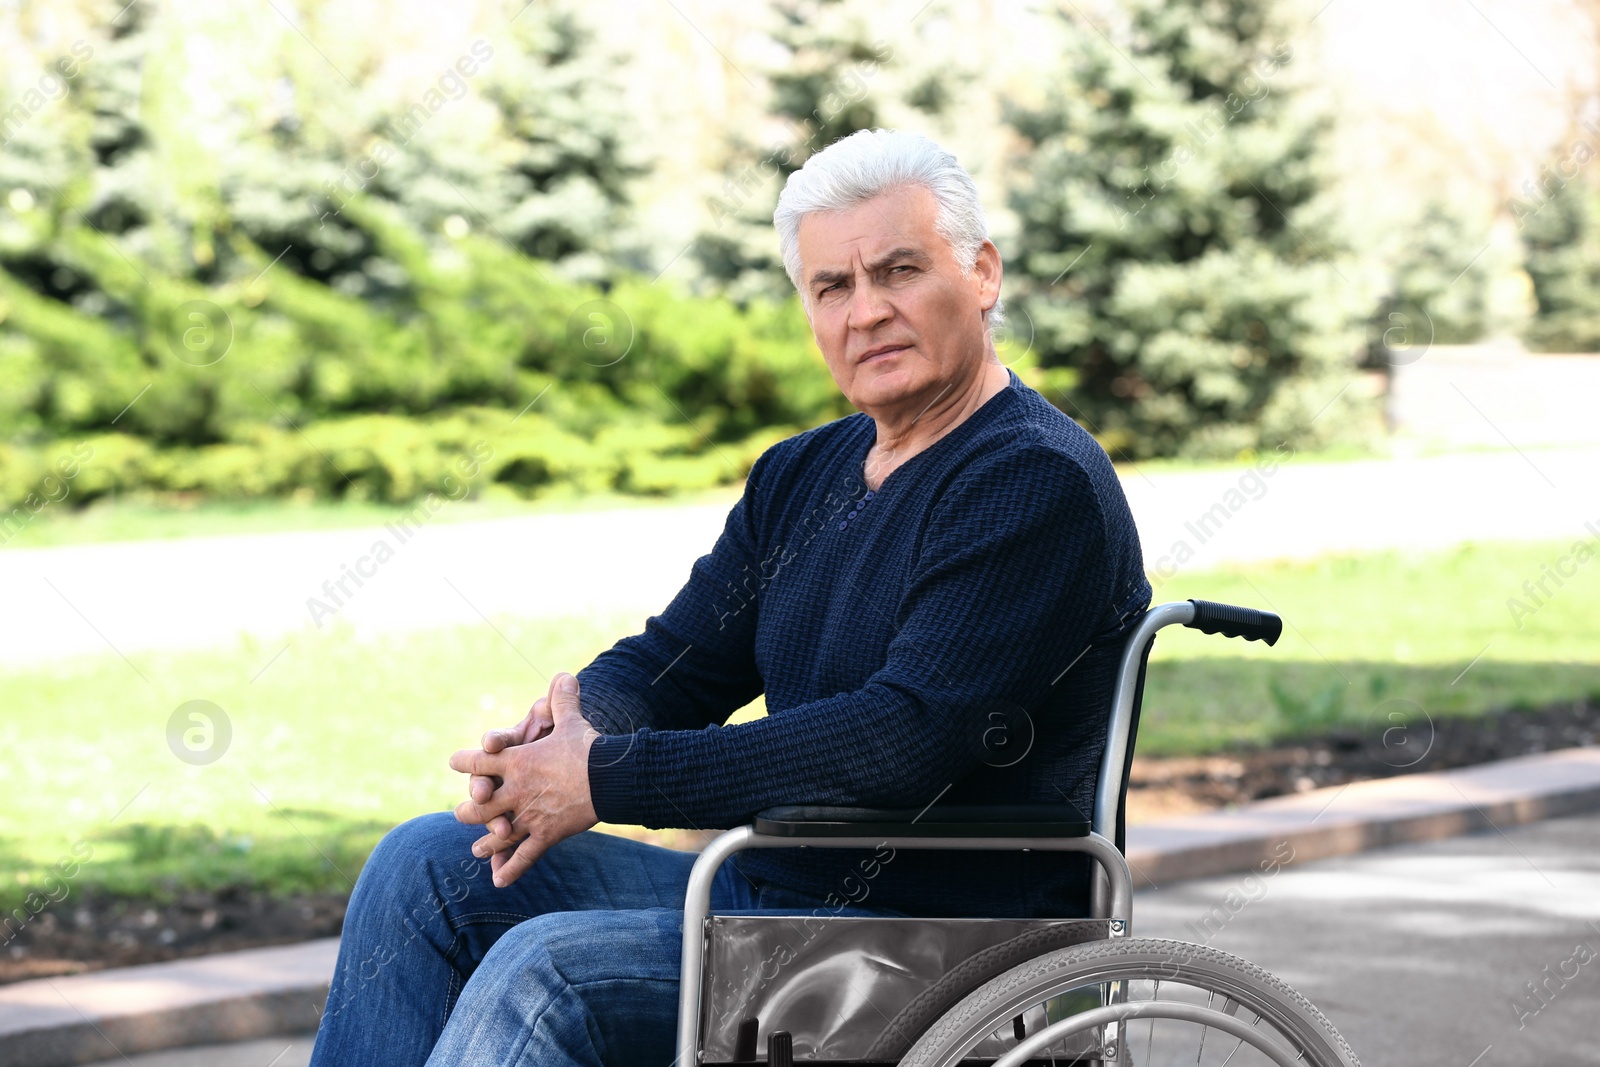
(1234, 621)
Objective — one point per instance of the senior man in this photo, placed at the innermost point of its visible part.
(931, 593)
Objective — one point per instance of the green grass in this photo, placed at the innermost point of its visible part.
(1382, 448)
(150, 517)
(339, 738)
(334, 742)
(1361, 632)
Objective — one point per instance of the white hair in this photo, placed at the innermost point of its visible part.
(867, 163)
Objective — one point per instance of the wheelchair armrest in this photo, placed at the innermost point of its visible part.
(953, 820)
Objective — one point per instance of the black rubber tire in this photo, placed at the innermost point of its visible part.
(926, 1007)
(987, 1008)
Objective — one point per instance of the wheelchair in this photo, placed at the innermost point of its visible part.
(931, 992)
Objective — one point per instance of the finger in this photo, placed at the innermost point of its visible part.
(540, 719)
(525, 856)
(499, 859)
(491, 847)
(482, 788)
(500, 826)
(497, 741)
(480, 814)
(476, 761)
(564, 699)
(534, 725)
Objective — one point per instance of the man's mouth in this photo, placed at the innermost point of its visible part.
(881, 350)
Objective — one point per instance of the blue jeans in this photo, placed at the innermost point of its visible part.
(574, 963)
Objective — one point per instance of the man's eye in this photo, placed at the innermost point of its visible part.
(829, 289)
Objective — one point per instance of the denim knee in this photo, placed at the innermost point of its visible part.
(623, 966)
(417, 870)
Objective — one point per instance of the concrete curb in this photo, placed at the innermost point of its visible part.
(57, 1022)
(231, 996)
(1340, 820)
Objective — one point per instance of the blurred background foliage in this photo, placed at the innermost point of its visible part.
(337, 286)
(320, 315)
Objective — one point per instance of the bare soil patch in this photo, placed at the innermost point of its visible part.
(1167, 786)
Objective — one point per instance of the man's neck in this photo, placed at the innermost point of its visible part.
(900, 438)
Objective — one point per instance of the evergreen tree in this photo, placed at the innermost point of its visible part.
(86, 226)
(1174, 258)
(359, 272)
(549, 172)
(81, 159)
(1440, 286)
(837, 76)
(566, 154)
(120, 138)
(1561, 235)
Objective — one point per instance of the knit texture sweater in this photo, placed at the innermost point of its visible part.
(952, 636)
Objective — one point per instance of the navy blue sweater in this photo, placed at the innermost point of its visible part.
(913, 644)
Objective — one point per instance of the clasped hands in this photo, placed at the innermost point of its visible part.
(530, 784)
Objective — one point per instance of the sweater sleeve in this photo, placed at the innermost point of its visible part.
(694, 664)
(1010, 583)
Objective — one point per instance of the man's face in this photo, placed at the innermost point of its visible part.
(897, 322)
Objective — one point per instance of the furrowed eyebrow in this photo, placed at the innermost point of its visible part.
(831, 276)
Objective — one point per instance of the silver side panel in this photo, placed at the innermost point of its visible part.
(1117, 901)
(839, 984)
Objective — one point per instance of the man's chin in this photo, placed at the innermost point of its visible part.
(875, 387)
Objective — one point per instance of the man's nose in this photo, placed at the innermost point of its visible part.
(869, 306)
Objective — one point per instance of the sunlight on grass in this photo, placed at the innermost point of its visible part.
(336, 741)
(1360, 632)
(340, 738)
(1409, 607)
(148, 517)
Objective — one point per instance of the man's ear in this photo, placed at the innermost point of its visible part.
(990, 269)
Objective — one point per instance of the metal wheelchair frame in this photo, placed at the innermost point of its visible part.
(1112, 886)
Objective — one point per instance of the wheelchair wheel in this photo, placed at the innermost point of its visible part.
(1135, 1001)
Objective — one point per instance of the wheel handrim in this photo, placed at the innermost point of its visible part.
(1136, 980)
(1130, 1010)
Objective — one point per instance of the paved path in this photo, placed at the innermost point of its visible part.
(1416, 953)
(269, 1052)
(1290, 511)
(202, 592)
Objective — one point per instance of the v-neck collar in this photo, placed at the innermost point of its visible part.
(986, 409)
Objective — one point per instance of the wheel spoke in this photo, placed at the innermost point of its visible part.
(1201, 1050)
(1240, 1045)
(1155, 994)
(1211, 991)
